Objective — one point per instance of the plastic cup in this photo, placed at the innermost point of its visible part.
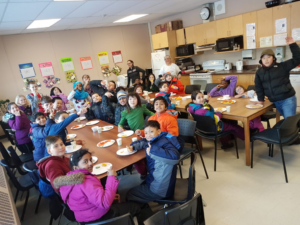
(228, 108)
(119, 141)
(73, 144)
(99, 129)
(95, 129)
(226, 97)
(145, 92)
(183, 98)
(134, 139)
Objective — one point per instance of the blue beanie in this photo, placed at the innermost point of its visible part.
(121, 94)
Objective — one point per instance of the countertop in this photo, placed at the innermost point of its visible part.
(237, 72)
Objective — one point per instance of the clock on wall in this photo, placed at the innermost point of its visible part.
(207, 12)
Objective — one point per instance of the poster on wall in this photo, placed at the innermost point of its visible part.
(296, 34)
(117, 57)
(46, 69)
(279, 39)
(280, 26)
(27, 70)
(103, 58)
(266, 41)
(86, 63)
(250, 29)
(67, 64)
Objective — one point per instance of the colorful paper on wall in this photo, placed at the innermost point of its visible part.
(280, 26)
(117, 57)
(266, 42)
(279, 39)
(67, 64)
(86, 63)
(103, 58)
(50, 81)
(27, 70)
(296, 34)
(46, 69)
(71, 76)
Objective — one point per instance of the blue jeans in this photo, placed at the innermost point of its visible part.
(287, 107)
(141, 194)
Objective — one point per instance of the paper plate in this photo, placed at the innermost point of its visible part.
(92, 122)
(77, 127)
(107, 128)
(69, 136)
(220, 99)
(188, 96)
(221, 109)
(101, 168)
(152, 99)
(126, 133)
(257, 106)
(105, 143)
(227, 103)
(124, 152)
(94, 159)
(82, 118)
(70, 149)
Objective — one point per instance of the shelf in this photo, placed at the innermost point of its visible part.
(229, 51)
(182, 57)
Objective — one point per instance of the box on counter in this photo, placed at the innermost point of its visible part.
(172, 25)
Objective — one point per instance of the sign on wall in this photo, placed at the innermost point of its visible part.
(103, 58)
(117, 57)
(86, 63)
(27, 70)
(46, 69)
(67, 64)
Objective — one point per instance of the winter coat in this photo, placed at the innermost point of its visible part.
(89, 201)
(22, 126)
(101, 90)
(78, 103)
(101, 110)
(176, 82)
(27, 111)
(152, 88)
(274, 81)
(167, 97)
(230, 90)
(64, 99)
(161, 163)
(120, 108)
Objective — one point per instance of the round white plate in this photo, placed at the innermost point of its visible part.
(92, 122)
(94, 159)
(126, 133)
(220, 99)
(220, 109)
(69, 136)
(107, 128)
(152, 99)
(76, 127)
(111, 142)
(101, 168)
(254, 100)
(258, 106)
(70, 149)
(234, 101)
(124, 152)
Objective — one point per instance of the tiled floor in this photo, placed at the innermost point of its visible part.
(235, 194)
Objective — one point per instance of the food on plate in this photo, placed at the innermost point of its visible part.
(121, 151)
(219, 109)
(123, 135)
(228, 101)
(107, 127)
(97, 167)
(256, 106)
(104, 164)
(101, 144)
(178, 98)
(75, 127)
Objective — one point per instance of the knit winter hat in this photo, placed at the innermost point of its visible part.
(121, 94)
(267, 52)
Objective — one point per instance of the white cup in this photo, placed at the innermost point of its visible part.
(99, 129)
(73, 144)
(145, 92)
(119, 141)
(228, 108)
(205, 96)
(134, 139)
(183, 98)
(226, 97)
(95, 129)
(255, 98)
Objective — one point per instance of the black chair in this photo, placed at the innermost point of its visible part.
(20, 158)
(251, 87)
(209, 87)
(284, 133)
(184, 188)
(207, 128)
(12, 135)
(187, 133)
(120, 220)
(190, 88)
(267, 116)
(4, 127)
(131, 89)
(22, 183)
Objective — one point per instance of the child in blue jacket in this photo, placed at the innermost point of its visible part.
(163, 91)
(162, 157)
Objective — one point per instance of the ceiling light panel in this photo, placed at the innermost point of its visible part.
(130, 18)
(42, 23)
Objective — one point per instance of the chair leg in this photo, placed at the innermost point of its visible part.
(61, 215)
(283, 162)
(215, 166)
(252, 149)
(204, 167)
(272, 150)
(16, 197)
(236, 148)
(25, 205)
(268, 124)
(51, 220)
(38, 204)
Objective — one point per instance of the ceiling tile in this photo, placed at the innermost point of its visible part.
(78, 26)
(2, 8)
(116, 8)
(67, 22)
(14, 25)
(163, 7)
(137, 8)
(23, 11)
(3, 0)
(89, 8)
(59, 10)
(91, 20)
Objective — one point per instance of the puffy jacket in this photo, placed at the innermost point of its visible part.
(100, 110)
(230, 90)
(101, 90)
(175, 82)
(120, 108)
(22, 126)
(161, 163)
(274, 81)
(89, 201)
(167, 97)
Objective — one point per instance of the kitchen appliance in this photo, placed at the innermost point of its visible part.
(227, 44)
(273, 3)
(183, 63)
(239, 65)
(158, 60)
(228, 66)
(290, 1)
(248, 54)
(204, 77)
(202, 48)
(185, 50)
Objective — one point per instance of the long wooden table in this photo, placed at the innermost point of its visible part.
(107, 154)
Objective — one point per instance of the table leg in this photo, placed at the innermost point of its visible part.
(247, 141)
(199, 142)
(277, 116)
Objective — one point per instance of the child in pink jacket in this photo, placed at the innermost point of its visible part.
(89, 201)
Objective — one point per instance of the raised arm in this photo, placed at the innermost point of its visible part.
(96, 87)
(34, 102)
(295, 60)
(71, 95)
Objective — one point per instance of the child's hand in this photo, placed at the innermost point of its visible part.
(129, 148)
(82, 111)
(237, 96)
(108, 94)
(76, 88)
(289, 40)
(138, 132)
(175, 87)
(52, 113)
(103, 82)
(111, 172)
(17, 113)
(148, 149)
(120, 129)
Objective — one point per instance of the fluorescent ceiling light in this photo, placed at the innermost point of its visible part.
(130, 18)
(69, 0)
(42, 23)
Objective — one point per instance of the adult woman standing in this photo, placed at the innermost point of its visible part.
(170, 68)
(133, 72)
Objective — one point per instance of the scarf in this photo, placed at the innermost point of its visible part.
(80, 94)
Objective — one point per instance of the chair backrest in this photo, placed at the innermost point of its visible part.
(187, 130)
(190, 88)
(192, 177)
(251, 87)
(14, 156)
(289, 127)
(209, 87)
(124, 220)
(131, 89)
(5, 126)
(10, 174)
(12, 135)
(205, 124)
(4, 153)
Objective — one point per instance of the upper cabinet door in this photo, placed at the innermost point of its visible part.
(264, 26)
(281, 12)
(295, 16)
(249, 18)
(235, 24)
(190, 35)
(200, 34)
(211, 32)
(163, 40)
(180, 37)
(222, 28)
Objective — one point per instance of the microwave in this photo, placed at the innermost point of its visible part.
(227, 44)
(185, 50)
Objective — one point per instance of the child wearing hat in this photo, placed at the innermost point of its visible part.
(121, 106)
(273, 80)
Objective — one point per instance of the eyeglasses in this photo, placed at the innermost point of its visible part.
(167, 59)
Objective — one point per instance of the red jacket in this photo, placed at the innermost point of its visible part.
(175, 82)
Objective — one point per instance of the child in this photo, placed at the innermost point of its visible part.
(240, 92)
(24, 105)
(166, 118)
(86, 81)
(139, 90)
(56, 92)
(18, 121)
(200, 107)
(162, 157)
(137, 82)
(79, 97)
(179, 76)
(121, 106)
(90, 201)
(103, 87)
(100, 109)
(34, 98)
(47, 105)
(58, 104)
(151, 84)
(174, 84)
(163, 91)
(226, 87)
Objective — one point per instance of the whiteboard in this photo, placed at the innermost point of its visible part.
(158, 59)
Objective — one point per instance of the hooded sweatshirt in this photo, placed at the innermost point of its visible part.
(227, 91)
(89, 201)
(22, 126)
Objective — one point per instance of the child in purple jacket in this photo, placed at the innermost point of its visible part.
(18, 121)
(227, 87)
(90, 201)
(200, 107)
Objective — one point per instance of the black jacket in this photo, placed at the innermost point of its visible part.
(274, 81)
(134, 73)
(101, 110)
(98, 88)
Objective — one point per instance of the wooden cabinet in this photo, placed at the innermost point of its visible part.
(280, 12)
(295, 15)
(229, 27)
(165, 40)
(249, 18)
(206, 33)
(264, 26)
(222, 28)
(180, 37)
(185, 80)
(190, 35)
(243, 79)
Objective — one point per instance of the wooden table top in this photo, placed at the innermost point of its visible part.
(107, 154)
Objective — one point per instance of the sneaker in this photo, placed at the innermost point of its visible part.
(228, 145)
